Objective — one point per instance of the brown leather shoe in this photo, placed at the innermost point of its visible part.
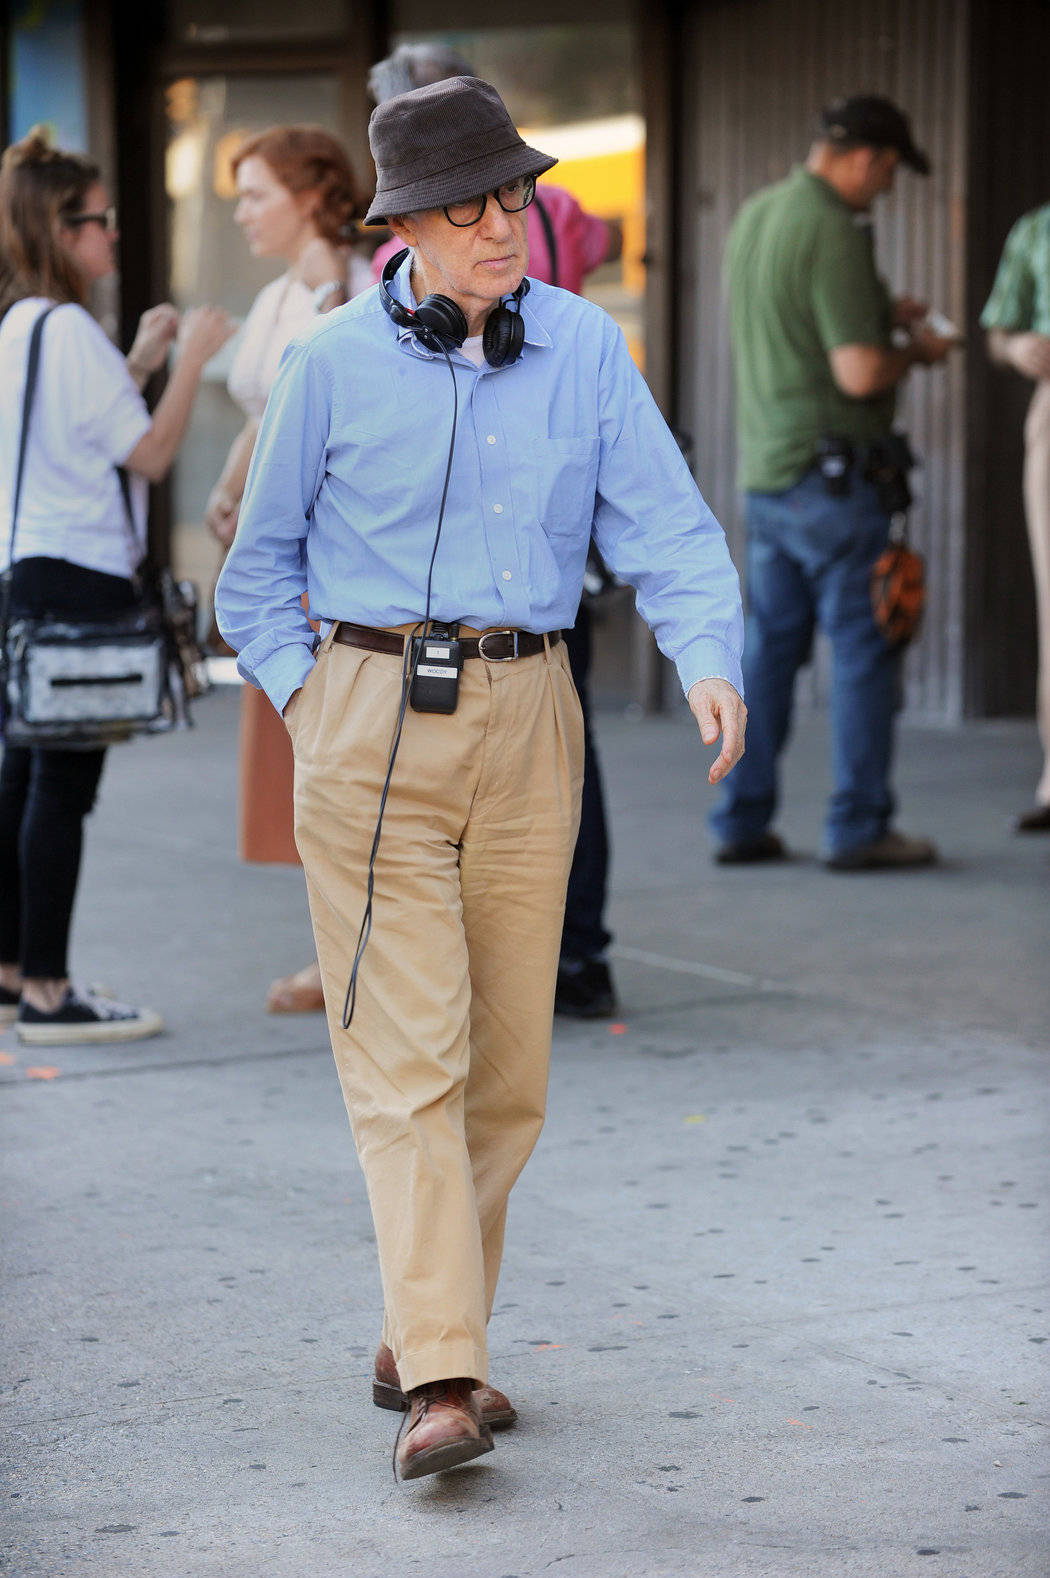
(496, 1410)
(444, 1429)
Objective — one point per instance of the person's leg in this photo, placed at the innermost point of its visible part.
(584, 988)
(778, 639)
(515, 863)
(583, 934)
(404, 1061)
(14, 787)
(865, 674)
(55, 788)
(62, 790)
(1037, 512)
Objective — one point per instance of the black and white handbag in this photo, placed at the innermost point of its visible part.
(83, 682)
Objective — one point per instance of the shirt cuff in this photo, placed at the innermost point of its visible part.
(281, 673)
(709, 659)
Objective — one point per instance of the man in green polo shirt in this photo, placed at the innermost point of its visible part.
(1017, 317)
(817, 372)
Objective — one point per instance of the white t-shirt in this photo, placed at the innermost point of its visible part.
(87, 417)
(473, 349)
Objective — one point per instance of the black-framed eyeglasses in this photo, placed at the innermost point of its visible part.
(107, 218)
(512, 197)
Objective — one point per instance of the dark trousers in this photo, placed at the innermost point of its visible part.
(45, 794)
(583, 934)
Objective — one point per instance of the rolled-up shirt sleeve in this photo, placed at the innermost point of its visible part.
(654, 529)
(258, 599)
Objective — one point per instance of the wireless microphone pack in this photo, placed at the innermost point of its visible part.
(436, 662)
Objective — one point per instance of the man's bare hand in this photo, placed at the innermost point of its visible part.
(929, 348)
(907, 312)
(718, 709)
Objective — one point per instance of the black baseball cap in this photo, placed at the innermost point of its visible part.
(869, 120)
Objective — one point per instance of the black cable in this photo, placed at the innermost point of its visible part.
(408, 673)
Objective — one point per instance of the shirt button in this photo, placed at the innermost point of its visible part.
(491, 439)
(506, 575)
(497, 509)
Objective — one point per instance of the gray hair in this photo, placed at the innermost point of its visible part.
(414, 66)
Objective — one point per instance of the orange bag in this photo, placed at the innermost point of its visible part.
(898, 592)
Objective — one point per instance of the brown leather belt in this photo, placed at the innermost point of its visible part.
(495, 646)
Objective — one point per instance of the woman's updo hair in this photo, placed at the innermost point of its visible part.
(307, 158)
(39, 187)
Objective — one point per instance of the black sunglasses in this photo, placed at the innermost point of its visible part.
(512, 197)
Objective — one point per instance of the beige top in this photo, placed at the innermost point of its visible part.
(282, 311)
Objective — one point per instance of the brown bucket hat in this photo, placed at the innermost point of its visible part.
(442, 144)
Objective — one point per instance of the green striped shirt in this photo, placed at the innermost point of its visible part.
(1020, 299)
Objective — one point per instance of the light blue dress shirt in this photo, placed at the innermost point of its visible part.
(345, 485)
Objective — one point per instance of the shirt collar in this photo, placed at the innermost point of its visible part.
(823, 188)
(401, 290)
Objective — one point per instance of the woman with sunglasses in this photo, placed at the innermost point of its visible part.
(73, 554)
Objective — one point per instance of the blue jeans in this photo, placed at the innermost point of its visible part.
(809, 560)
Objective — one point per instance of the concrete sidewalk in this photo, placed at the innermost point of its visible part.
(774, 1300)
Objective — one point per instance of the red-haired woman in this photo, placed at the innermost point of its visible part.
(72, 554)
(297, 200)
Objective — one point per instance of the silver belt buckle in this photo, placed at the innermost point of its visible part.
(481, 646)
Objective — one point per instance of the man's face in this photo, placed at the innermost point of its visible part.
(474, 264)
(881, 169)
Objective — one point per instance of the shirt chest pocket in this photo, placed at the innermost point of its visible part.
(564, 475)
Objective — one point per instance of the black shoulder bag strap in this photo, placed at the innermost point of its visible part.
(32, 376)
(548, 231)
(139, 552)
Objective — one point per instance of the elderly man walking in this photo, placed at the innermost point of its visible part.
(431, 464)
(817, 372)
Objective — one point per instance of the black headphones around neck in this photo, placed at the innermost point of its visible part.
(439, 324)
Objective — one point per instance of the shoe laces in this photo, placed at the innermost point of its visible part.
(104, 1007)
(422, 1399)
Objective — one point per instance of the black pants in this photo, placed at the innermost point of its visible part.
(45, 794)
(583, 934)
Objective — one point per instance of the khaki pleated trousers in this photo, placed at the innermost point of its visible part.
(444, 1067)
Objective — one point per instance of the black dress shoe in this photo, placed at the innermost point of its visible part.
(748, 851)
(584, 990)
(1037, 820)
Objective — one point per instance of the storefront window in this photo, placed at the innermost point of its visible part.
(47, 72)
(253, 21)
